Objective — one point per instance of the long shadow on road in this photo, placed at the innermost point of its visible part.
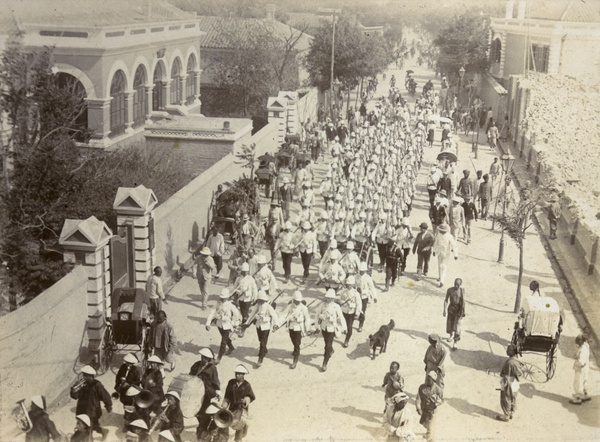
(465, 407)
(477, 360)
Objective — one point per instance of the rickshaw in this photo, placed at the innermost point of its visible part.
(127, 327)
(538, 329)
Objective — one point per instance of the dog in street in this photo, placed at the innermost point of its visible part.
(380, 339)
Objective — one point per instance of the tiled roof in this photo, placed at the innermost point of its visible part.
(562, 10)
(217, 36)
(92, 13)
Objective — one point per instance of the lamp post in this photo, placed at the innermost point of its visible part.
(507, 161)
(333, 12)
(461, 74)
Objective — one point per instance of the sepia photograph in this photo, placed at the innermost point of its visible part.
(283, 221)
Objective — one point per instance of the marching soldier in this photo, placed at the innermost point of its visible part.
(227, 317)
(380, 237)
(404, 239)
(297, 318)
(360, 228)
(171, 417)
(286, 196)
(127, 376)
(392, 261)
(265, 317)
(207, 371)
(237, 258)
(286, 244)
(274, 227)
(322, 231)
(308, 246)
(350, 260)
(330, 321)
(367, 291)
(327, 189)
(308, 194)
(351, 306)
(42, 428)
(245, 287)
(89, 393)
(306, 214)
(333, 274)
(153, 382)
(264, 276)
(247, 231)
(238, 396)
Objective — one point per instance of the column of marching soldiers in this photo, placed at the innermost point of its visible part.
(367, 193)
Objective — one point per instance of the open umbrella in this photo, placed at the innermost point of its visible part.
(410, 72)
(435, 117)
(447, 156)
(267, 158)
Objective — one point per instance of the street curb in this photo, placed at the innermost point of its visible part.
(561, 274)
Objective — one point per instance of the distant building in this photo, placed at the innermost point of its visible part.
(549, 36)
(218, 41)
(136, 60)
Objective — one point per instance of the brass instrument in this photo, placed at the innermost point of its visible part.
(21, 417)
(145, 399)
(78, 385)
(224, 417)
(159, 418)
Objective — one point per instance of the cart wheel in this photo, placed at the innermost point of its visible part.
(551, 361)
(107, 348)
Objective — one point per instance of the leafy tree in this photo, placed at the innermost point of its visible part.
(464, 42)
(260, 63)
(516, 219)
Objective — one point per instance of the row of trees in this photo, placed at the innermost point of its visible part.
(47, 178)
(356, 55)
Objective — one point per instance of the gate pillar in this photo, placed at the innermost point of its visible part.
(135, 213)
(85, 243)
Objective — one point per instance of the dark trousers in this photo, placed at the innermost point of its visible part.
(382, 249)
(218, 262)
(155, 306)
(225, 342)
(306, 258)
(285, 207)
(405, 253)
(323, 247)
(349, 317)
(432, 193)
(485, 205)
(314, 152)
(296, 337)
(263, 338)
(95, 421)
(391, 273)
(423, 261)
(245, 310)
(328, 337)
(361, 319)
(326, 199)
(287, 263)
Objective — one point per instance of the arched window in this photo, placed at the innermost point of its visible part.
(78, 105)
(176, 82)
(158, 100)
(190, 86)
(140, 99)
(118, 106)
(496, 51)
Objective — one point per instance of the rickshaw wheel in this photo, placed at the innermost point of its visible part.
(107, 348)
(551, 361)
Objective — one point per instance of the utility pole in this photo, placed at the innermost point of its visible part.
(332, 98)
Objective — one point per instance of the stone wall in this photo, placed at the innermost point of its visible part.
(40, 344)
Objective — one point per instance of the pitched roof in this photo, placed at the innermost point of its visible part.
(92, 13)
(217, 36)
(564, 10)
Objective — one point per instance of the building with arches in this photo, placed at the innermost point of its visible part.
(136, 61)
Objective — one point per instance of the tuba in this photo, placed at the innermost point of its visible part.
(21, 417)
(224, 417)
(145, 399)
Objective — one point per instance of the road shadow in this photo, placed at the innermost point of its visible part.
(194, 349)
(361, 350)
(587, 413)
(197, 319)
(537, 274)
(249, 355)
(489, 337)
(367, 415)
(414, 334)
(477, 360)
(469, 408)
(488, 307)
(377, 432)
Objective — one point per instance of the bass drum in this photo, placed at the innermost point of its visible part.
(191, 392)
(240, 419)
